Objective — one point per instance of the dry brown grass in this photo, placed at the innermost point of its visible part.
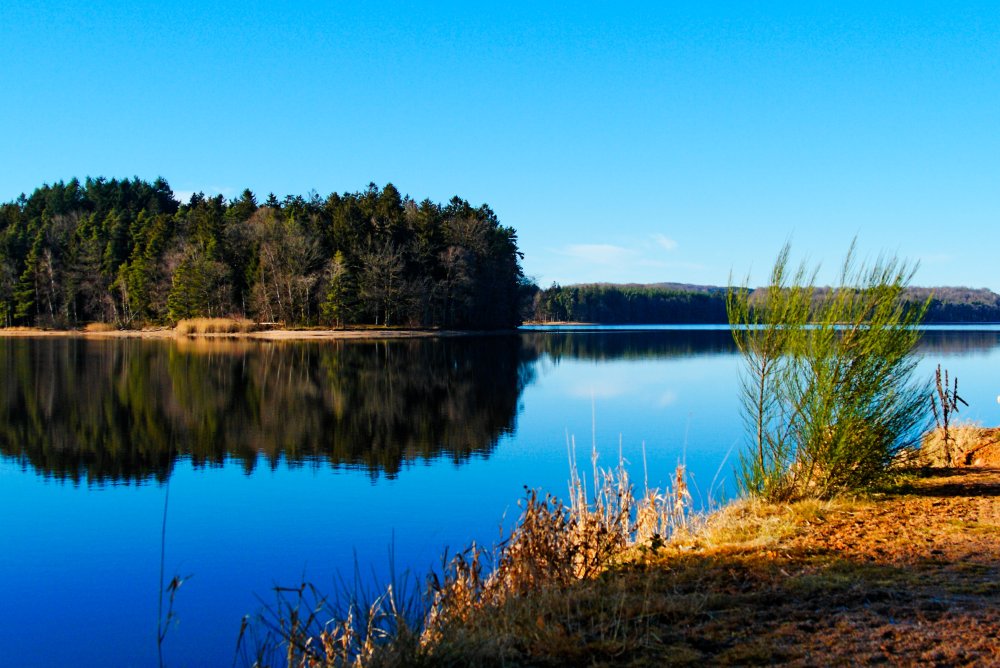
(99, 327)
(474, 609)
(894, 578)
(755, 524)
(619, 578)
(200, 326)
(961, 445)
(554, 545)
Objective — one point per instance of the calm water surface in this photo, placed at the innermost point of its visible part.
(292, 461)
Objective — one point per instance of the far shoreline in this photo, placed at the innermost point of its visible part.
(260, 335)
(359, 333)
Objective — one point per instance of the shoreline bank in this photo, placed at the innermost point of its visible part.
(261, 335)
(906, 576)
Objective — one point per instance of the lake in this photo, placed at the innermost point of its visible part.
(292, 461)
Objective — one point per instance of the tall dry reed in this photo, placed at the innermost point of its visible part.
(551, 546)
(195, 326)
(99, 327)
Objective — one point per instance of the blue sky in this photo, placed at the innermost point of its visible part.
(625, 142)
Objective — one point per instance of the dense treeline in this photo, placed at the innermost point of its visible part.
(950, 304)
(127, 252)
(630, 304)
(692, 304)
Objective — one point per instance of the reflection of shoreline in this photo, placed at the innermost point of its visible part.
(113, 411)
(262, 335)
(608, 343)
(628, 344)
(958, 341)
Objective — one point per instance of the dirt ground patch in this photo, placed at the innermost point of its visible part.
(918, 573)
(909, 577)
(912, 578)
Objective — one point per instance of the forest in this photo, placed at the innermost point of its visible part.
(127, 252)
(674, 303)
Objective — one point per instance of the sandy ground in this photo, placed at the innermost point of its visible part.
(910, 578)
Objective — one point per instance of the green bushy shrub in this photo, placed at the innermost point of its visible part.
(828, 392)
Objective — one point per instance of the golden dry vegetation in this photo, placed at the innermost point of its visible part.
(201, 326)
(965, 445)
(906, 576)
(235, 329)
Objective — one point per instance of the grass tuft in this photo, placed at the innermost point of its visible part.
(474, 610)
(620, 578)
(967, 444)
(99, 327)
(197, 326)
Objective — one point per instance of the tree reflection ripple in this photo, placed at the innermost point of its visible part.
(125, 410)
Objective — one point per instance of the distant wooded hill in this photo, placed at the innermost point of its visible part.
(678, 303)
(128, 252)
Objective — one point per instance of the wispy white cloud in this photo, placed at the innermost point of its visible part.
(665, 242)
(648, 258)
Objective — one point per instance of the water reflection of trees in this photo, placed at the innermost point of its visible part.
(657, 344)
(108, 411)
(958, 341)
(601, 345)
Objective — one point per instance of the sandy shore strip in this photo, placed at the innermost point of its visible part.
(262, 335)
